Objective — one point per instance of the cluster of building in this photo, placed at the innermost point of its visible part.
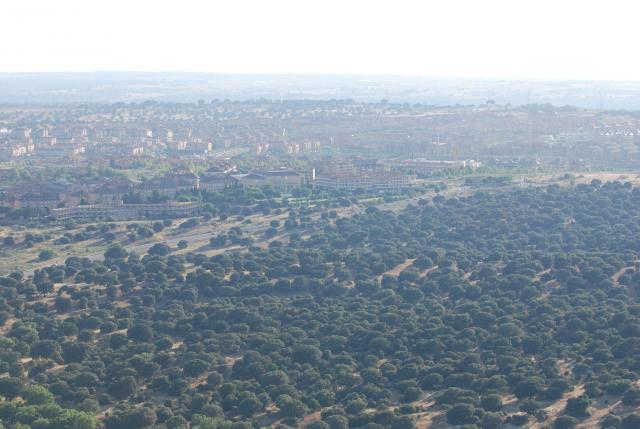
(120, 133)
(346, 175)
(127, 211)
(427, 166)
(121, 197)
(82, 141)
(371, 181)
(100, 190)
(98, 143)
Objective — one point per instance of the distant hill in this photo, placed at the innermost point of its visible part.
(188, 87)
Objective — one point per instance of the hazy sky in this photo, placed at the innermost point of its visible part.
(563, 39)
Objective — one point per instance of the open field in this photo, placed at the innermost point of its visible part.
(26, 258)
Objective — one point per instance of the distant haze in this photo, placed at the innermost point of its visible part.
(109, 87)
(498, 39)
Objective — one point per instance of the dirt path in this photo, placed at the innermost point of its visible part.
(616, 277)
(604, 405)
(556, 408)
(231, 360)
(428, 418)
(7, 326)
(426, 272)
(102, 414)
(309, 418)
(538, 276)
(395, 271)
(198, 381)
(616, 280)
(598, 411)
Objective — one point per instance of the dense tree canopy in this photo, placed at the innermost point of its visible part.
(462, 301)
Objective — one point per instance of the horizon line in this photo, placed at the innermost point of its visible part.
(324, 74)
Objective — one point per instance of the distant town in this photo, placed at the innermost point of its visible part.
(131, 160)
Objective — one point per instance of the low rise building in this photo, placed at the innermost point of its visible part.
(425, 166)
(277, 179)
(38, 200)
(373, 181)
(170, 183)
(213, 182)
(127, 211)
